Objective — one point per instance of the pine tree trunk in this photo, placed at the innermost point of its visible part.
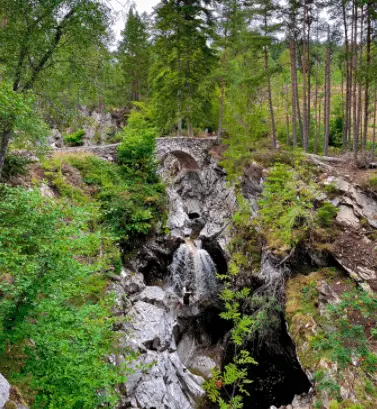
(5, 138)
(304, 135)
(347, 102)
(287, 113)
(297, 95)
(317, 123)
(327, 97)
(221, 110)
(190, 129)
(360, 84)
(293, 91)
(354, 99)
(319, 117)
(309, 85)
(374, 119)
(368, 59)
(273, 128)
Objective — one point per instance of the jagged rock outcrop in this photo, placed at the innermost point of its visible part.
(357, 217)
(202, 203)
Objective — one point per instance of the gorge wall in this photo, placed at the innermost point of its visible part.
(169, 293)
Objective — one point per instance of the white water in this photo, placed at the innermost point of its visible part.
(193, 271)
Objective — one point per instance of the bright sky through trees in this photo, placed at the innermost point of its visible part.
(121, 8)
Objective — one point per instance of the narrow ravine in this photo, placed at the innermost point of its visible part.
(173, 310)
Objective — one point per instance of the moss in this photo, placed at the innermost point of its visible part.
(197, 372)
(10, 405)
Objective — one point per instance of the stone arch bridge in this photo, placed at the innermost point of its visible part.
(191, 152)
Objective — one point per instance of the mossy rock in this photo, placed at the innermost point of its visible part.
(10, 405)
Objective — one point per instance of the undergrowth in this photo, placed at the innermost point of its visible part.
(337, 343)
(55, 312)
(288, 214)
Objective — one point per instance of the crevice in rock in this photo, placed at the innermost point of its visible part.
(193, 215)
(278, 377)
(217, 254)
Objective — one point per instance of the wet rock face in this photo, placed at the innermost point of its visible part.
(171, 331)
(201, 203)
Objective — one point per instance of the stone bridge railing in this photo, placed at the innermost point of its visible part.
(191, 152)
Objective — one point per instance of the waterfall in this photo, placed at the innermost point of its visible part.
(193, 272)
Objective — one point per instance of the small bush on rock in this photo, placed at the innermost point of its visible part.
(75, 138)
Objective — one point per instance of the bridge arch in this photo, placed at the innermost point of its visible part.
(191, 153)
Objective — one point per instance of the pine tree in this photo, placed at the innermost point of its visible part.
(182, 62)
(230, 22)
(134, 55)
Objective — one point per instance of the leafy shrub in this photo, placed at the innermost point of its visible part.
(55, 316)
(136, 152)
(75, 138)
(19, 113)
(286, 208)
(326, 214)
(14, 165)
(131, 203)
(371, 183)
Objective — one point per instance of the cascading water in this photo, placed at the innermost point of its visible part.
(193, 272)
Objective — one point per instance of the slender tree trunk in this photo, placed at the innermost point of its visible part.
(374, 119)
(190, 129)
(316, 107)
(319, 117)
(221, 110)
(368, 59)
(354, 99)
(309, 84)
(287, 113)
(297, 95)
(304, 135)
(222, 90)
(273, 128)
(5, 138)
(316, 131)
(347, 130)
(293, 90)
(269, 91)
(346, 101)
(327, 97)
(360, 83)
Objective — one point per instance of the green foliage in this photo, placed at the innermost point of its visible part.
(134, 56)
(326, 214)
(182, 63)
(75, 138)
(136, 152)
(131, 203)
(55, 316)
(336, 124)
(14, 165)
(286, 207)
(370, 183)
(349, 341)
(18, 114)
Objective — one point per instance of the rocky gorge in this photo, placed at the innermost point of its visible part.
(169, 294)
(169, 290)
